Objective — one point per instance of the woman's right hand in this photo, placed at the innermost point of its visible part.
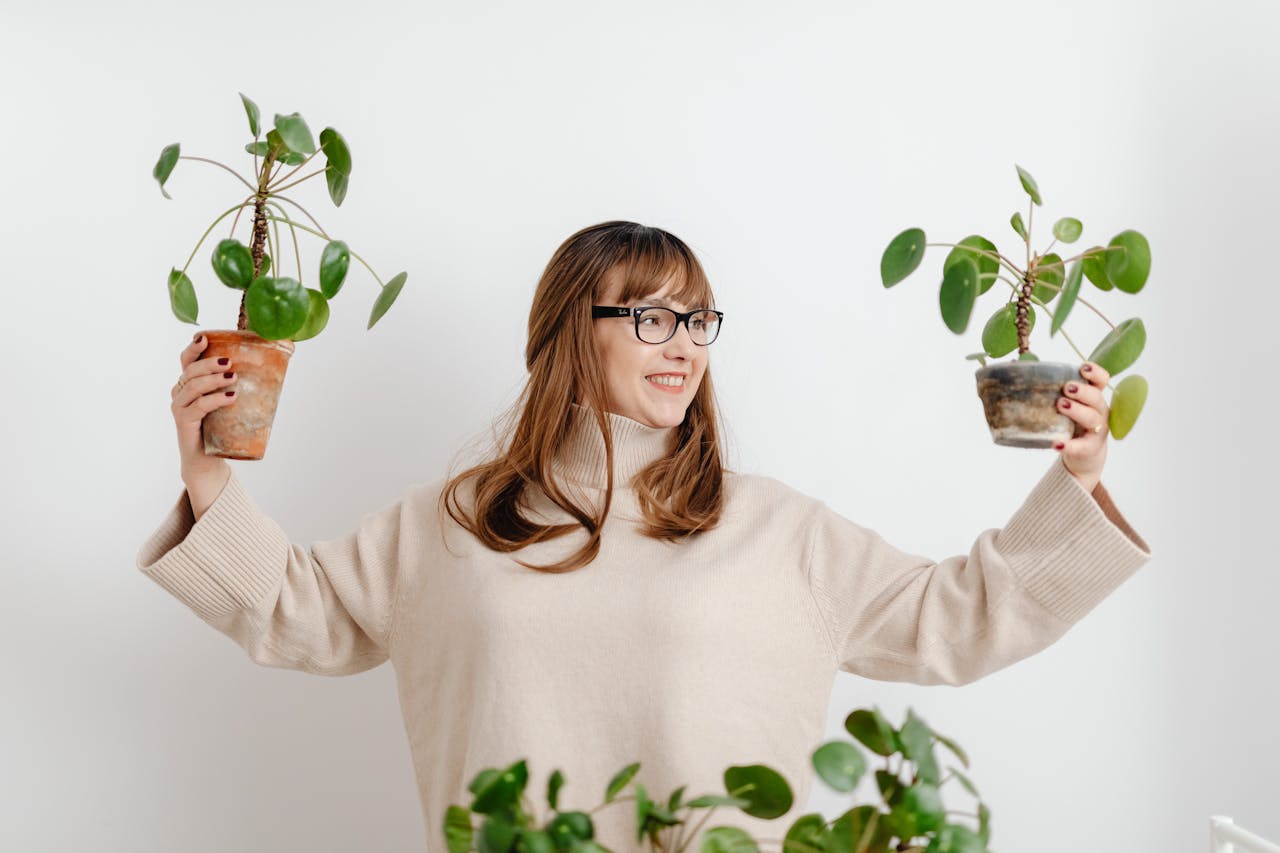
(204, 388)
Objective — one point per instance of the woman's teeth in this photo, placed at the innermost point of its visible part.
(677, 381)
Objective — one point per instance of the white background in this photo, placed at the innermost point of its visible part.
(786, 143)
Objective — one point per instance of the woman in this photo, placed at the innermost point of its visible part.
(602, 590)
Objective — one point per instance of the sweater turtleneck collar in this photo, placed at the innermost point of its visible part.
(581, 458)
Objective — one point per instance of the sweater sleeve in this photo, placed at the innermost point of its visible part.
(325, 609)
(896, 616)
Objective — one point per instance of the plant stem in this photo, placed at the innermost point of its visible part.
(300, 180)
(694, 832)
(1088, 253)
(1081, 301)
(997, 256)
(611, 802)
(322, 236)
(304, 210)
(297, 256)
(297, 167)
(222, 165)
(191, 257)
(1050, 247)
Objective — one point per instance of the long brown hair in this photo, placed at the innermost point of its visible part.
(678, 494)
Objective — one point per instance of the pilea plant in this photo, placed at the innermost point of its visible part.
(276, 307)
(974, 265)
(911, 819)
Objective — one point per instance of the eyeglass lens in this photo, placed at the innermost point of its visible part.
(656, 325)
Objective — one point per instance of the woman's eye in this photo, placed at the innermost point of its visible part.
(647, 319)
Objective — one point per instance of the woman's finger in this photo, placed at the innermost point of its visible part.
(1094, 374)
(1083, 414)
(1086, 394)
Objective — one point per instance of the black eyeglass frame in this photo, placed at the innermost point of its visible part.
(598, 311)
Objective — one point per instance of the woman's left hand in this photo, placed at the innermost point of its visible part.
(1083, 403)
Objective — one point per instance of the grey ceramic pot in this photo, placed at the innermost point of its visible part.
(1021, 402)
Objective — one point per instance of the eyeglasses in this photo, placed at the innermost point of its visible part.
(656, 325)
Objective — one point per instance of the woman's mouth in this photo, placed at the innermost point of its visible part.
(666, 382)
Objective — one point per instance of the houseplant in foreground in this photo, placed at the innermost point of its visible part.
(912, 820)
(275, 310)
(1019, 396)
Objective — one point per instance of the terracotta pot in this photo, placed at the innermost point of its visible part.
(241, 430)
(1021, 402)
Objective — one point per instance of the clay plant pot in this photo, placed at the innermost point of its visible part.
(241, 430)
(1021, 402)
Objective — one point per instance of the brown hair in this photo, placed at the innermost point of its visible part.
(679, 494)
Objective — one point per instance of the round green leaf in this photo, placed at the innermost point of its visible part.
(567, 827)
(534, 841)
(1067, 229)
(862, 828)
(386, 298)
(458, 835)
(958, 292)
(276, 143)
(336, 153)
(924, 800)
(554, 783)
(902, 256)
(251, 110)
(917, 745)
(872, 730)
(769, 795)
(1028, 356)
(295, 133)
(334, 261)
(1094, 264)
(890, 786)
(988, 264)
(587, 846)
(496, 836)
(277, 307)
(840, 765)
(1121, 347)
(260, 148)
(954, 838)
(164, 166)
(1070, 291)
(337, 183)
(1028, 183)
(1126, 404)
(1128, 269)
(620, 780)
(1049, 271)
(727, 839)
(182, 296)
(1019, 226)
(503, 789)
(233, 263)
(708, 800)
(266, 264)
(317, 316)
(807, 831)
(1000, 335)
(483, 779)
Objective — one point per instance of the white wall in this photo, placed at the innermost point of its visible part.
(786, 143)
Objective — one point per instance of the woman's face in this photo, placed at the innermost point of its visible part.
(628, 362)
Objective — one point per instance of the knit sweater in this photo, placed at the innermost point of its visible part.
(688, 658)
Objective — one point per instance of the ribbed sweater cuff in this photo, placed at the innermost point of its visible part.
(1060, 517)
(232, 532)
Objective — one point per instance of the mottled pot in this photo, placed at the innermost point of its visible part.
(1021, 402)
(241, 429)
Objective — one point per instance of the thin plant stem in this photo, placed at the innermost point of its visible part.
(299, 166)
(1088, 253)
(221, 165)
(1078, 299)
(997, 256)
(300, 180)
(240, 210)
(226, 213)
(297, 256)
(1050, 247)
(611, 802)
(304, 210)
(322, 236)
(694, 832)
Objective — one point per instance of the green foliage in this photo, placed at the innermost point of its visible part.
(911, 814)
(974, 265)
(279, 307)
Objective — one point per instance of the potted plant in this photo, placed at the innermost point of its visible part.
(1020, 396)
(275, 310)
(913, 818)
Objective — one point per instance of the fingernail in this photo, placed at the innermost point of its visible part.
(223, 361)
(1071, 389)
(1058, 445)
(231, 393)
(1066, 404)
(1088, 367)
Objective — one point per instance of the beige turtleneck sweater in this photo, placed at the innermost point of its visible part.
(688, 658)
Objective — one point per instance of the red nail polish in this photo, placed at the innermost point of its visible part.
(1066, 404)
(1071, 389)
(1058, 446)
(1088, 367)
